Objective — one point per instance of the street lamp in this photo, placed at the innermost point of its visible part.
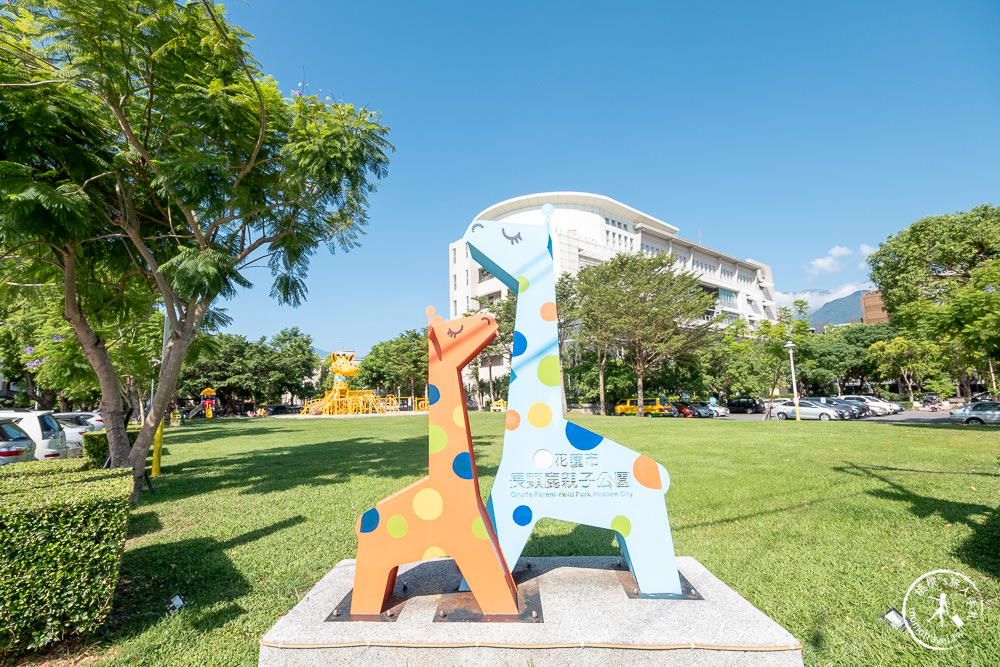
(795, 391)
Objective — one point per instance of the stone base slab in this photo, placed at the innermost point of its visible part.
(587, 618)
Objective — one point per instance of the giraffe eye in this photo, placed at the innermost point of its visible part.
(486, 319)
(455, 333)
(477, 226)
(514, 240)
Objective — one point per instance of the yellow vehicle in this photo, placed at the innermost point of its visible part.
(656, 406)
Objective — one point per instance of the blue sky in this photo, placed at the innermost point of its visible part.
(799, 134)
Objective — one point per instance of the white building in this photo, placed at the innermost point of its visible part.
(588, 229)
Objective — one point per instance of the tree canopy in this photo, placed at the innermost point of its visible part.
(141, 142)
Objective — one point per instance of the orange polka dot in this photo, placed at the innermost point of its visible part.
(513, 420)
(647, 472)
(549, 311)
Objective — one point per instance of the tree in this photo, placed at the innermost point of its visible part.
(400, 362)
(294, 365)
(654, 311)
(938, 279)
(908, 359)
(161, 154)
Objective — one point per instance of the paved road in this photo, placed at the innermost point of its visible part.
(908, 417)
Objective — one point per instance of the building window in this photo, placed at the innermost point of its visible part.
(454, 255)
(467, 277)
(454, 308)
(454, 281)
(468, 305)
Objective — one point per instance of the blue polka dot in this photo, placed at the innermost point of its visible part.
(462, 465)
(369, 520)
(550, 246)
(522, 515)
(581, 438)
(433, 394)
(512, 375)
(520, 344)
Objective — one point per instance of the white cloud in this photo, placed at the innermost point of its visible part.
(839, 251)
(817, 298)
(866, 249)
(823, 265)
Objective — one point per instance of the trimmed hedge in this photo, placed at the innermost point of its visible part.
(95, 444)
(31, 468)
(61, 542)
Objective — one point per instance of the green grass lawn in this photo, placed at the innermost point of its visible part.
(823, 526)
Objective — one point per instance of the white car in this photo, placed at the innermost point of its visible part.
(719, 410)
(74, 429)
(49, 439)
(93, 418)
(783, 410)
(15, 445)
(877, 405)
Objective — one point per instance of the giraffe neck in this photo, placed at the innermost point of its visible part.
(536, 369)
(448, 417)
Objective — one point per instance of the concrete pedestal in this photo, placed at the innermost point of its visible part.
(586, 613)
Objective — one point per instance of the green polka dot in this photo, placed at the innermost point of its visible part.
(396, 525)
(548, 370)
(437, 439)
(619, 524)
(522, 284)
(479, 529)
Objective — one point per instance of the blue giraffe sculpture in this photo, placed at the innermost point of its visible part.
(551, 467)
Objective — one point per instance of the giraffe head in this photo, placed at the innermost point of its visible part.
(510, 250)
(458, 340)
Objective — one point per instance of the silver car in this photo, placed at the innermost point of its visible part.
(50, 441)
(807, 410)
(985, 412)
(15, 445)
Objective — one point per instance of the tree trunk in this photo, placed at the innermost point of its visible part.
(639, 402)
(97, 355)
(491, 381)
(173, 359)
(601, 360)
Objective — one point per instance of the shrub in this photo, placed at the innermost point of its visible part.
(95, 444)
(61, 542)
(31, 468)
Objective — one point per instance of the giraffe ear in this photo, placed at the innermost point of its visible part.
(435, 344)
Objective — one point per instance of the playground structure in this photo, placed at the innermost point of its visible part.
(343, 401)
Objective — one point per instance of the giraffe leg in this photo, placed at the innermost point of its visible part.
(374, 580)
(488, 580)
(649, 549)
(513, 524)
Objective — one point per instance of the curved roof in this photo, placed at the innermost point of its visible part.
(613, 207)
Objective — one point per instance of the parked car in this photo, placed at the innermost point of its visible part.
(719, 410)
(878, 406)
(785, 409)
(49, 439)
(983, 412)
(696, 410)
(74, 428)
(655, 406)
(866, 410)
(855, 410)
(92, 418)
(16, 446)
(746, 404)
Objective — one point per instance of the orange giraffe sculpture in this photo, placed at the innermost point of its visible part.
(443, 513)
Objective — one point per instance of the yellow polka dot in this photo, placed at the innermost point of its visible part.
(397, 526)
(458, 416)
(622, 525)
(479, 529)
(438, 439)
(428, 504)
(433, 552)
(522, 284)
(539, 415)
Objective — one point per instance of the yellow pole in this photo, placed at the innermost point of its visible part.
(157, 447)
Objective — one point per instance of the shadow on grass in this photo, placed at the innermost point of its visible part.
(979, 550)
(198, 569)
(582, 540)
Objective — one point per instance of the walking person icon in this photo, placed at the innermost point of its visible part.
(942, 610)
